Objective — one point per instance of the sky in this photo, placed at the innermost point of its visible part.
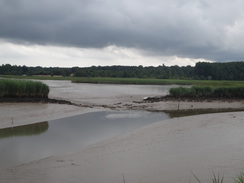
(68, 33)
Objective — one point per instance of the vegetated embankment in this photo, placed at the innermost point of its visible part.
(207, 92)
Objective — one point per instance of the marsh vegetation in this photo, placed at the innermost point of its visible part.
(234, 92)
(21, 88)
(141, 81)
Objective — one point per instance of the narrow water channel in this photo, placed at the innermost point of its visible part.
(32, 142)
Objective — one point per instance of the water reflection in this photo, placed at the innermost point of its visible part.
(68, 134)
(26, 130)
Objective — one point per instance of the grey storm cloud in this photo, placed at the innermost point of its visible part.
(186, 28)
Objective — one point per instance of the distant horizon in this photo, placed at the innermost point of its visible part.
(118, 65)
(103, 65)
(112, 65)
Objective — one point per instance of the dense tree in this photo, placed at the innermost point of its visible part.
(220, 71)
(202, 70)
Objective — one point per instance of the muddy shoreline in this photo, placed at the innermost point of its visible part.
(34, 100)
(146, 100)
(190, 99)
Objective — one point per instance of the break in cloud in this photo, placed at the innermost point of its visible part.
(120, 32)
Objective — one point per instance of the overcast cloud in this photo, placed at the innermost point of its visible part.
(120, 32)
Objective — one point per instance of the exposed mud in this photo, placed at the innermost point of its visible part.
(188, 99)
(34, 100)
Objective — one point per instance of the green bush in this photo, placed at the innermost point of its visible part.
(21, 88)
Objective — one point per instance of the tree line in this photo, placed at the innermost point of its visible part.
(202, 70)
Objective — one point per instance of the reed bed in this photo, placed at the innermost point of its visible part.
(208, 92)
(22, 88)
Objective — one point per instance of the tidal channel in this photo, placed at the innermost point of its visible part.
(19, 145)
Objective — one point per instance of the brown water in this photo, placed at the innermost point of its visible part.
(103, 94)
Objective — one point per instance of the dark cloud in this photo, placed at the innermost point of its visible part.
(186, 28)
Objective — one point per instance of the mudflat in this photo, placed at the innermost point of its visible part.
(94, 97)
(167, 151)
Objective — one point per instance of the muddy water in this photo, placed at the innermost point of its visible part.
(87, 90)
(98, 94)
(32, 142)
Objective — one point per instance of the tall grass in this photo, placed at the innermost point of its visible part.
(21, 88)
(208, 92)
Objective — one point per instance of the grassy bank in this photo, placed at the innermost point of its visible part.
(21, 88)
(151, 81)
(208, 92)
(142, 81)
(146, 81)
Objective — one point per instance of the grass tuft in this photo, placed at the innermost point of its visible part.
(215, 179)
(240, 178)
(220, 179)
